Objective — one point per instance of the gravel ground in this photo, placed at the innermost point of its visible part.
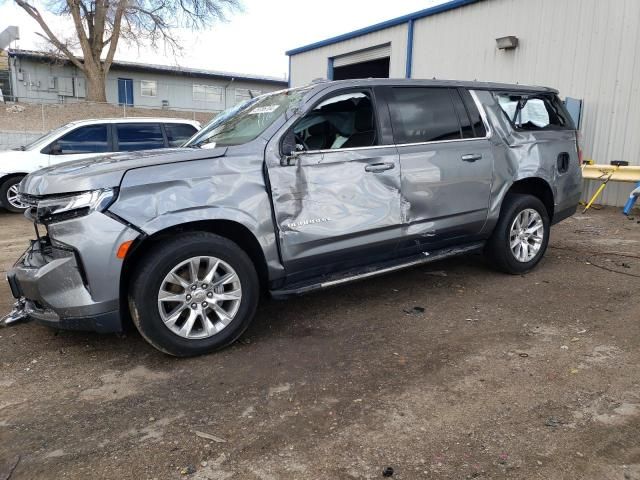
(499, 376)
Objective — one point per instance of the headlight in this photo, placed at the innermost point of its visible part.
(77, 205)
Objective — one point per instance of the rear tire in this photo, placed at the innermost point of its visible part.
(9, 194)
(521, 235)
(183, 313)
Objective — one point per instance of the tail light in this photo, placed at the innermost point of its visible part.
(579, 147)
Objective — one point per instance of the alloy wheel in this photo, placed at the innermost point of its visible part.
(13, 197)
(526, 235)
(199, 297)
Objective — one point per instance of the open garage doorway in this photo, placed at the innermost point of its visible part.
(378, 68)
(370, 62)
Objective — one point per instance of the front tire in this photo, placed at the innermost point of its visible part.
(9, 194)
(521, 235)
(193, 294)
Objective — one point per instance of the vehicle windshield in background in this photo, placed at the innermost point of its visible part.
(246, 121)
(35, 142)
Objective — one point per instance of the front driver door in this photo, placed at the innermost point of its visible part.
(338, 204)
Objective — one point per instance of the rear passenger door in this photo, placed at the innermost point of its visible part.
(446, 162)
(138, 136)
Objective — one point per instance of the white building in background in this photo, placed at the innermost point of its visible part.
(41, 78)
(588, 49)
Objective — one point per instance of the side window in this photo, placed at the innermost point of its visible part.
(474, 114)
(89, 139)
(139, 136)
(423, 114)
(534, 111)
(463, 116)
(178, 133)
(344, 121)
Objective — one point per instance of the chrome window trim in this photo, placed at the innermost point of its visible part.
(476, 101)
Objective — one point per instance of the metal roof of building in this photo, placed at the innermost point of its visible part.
(444, 7)
(148, 67)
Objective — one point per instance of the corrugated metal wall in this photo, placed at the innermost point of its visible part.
(308, 66)
(588, 49)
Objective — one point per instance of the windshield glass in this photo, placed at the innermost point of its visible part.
(246, 121)
(49, 134)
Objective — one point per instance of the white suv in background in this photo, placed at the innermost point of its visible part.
(87, 138)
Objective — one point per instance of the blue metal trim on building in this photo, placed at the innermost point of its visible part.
(409, 63)
(445, 7)
(329, 68)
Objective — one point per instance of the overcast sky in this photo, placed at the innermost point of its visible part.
(252, 41)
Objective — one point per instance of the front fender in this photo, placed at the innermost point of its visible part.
(165, 196)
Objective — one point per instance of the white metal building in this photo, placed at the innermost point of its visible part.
(587, 49)
(39, 77)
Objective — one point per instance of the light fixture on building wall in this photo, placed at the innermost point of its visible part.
(507, 43)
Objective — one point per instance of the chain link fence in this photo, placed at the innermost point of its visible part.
(22, 122)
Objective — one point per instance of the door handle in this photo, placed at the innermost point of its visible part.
(471, 157)
(379, 167)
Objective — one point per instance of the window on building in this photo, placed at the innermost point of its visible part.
(343, 121)
(148, 88)
(139, 136)
(207, 93)
(178, 133)
(423, 115)
(89, 139)
(535, 111)
(243, 94)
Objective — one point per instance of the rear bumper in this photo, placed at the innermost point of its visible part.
(566, 209)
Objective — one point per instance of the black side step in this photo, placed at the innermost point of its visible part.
(371, 271)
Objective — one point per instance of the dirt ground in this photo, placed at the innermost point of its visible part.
(532, 377)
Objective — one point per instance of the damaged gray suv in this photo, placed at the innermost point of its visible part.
(291, 192)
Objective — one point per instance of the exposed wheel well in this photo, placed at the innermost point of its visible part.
(12, 175)
(537, 187)
(234, 231)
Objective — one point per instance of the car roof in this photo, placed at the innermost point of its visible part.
(91, 121)
(473, 85)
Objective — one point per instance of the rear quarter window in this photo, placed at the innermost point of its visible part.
(534, 111)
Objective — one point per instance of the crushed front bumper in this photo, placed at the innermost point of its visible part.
(73, 282)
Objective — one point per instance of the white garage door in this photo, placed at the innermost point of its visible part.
(360, 56)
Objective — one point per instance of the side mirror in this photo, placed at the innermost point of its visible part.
(290, 149)
(55, 149)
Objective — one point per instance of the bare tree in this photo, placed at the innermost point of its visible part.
(101, 24)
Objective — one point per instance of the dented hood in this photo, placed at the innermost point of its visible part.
(105, 171)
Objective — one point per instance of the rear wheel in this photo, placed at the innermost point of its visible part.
(194, 294)
(521, 236)
(9, 195)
